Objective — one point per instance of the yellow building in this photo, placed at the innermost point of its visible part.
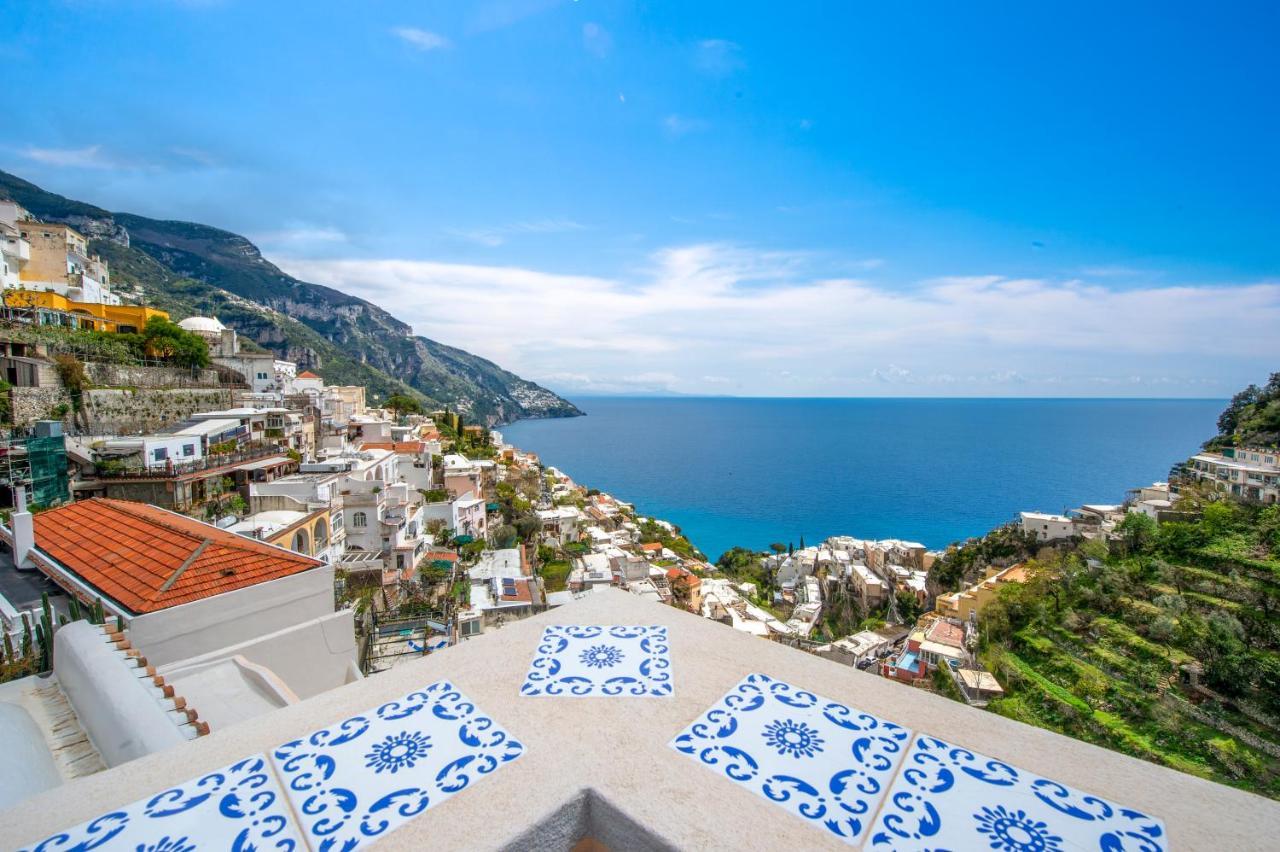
(54, 309)
(969, 603)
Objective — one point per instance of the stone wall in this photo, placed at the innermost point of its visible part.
(117, 375)
(32, 404)
(147, 409)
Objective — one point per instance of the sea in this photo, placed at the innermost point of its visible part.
(749, 472)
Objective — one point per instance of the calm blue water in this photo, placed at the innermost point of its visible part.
(754, 471)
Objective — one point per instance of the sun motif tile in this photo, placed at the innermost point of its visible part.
(821, 760)
(580, 660)
(954, 797)
(237, 807)
(357, 780)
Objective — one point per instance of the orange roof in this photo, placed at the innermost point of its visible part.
(307, 374)
(522, 592)
(651, 546)
(944, 632)
(147, 559)
(396, 446)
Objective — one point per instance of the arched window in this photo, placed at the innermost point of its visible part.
(359, 519)
(321, 531)
(302, 543)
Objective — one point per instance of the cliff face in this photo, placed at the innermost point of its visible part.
(188, 268)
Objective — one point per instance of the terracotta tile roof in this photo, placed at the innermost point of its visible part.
(651, 546)
(522, 592)
(307, 374)
(943, 632)
(147, 559)
(396, 446)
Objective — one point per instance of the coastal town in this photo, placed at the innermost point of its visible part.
(203, 533)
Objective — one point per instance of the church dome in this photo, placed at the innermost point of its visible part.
(202, 325)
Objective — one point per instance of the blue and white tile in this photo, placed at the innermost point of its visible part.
(949, 796)
(238, 807)
(357, 780)
(823, 761)
(593, 660)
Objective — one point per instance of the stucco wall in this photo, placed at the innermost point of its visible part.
(200, 627)
(310, 658)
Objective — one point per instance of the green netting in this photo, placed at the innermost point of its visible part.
(49, 483)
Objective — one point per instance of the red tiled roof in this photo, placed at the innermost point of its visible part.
(396, 446)
(946, 633)
(307, 374)
(651, 546)
(522, 592)
(135, 554)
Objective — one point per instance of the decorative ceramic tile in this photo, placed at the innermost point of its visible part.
(948, 796)
(592, 660)
(238, 807)
(365, 776)
(819, 759)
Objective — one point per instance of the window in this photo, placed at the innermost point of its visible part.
(359, 520)
(160, 453)
(399, 561)
(321, 530)
(302, 542)
(337, 521)
(188, 449)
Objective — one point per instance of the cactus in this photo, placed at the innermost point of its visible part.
(9, 656)
(26, 634)
(73, 607)
(44, 646)
(119, 624)
(99, 615)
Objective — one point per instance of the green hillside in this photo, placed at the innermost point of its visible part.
(1163, 643)
(187, 268)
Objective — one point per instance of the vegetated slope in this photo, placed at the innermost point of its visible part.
(189, 268)
(1163, 643)
(1252, 418)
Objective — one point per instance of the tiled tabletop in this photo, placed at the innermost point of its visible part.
(592, 660)
(237, 807)
(817, 758)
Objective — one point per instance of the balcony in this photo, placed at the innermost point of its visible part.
(176, 469)
(602, 769)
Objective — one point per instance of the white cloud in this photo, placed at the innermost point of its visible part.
(678, 125)
(498, 234)
(420, 39)
(300, 238)
(718, 57)
(88, 157)
(769, 324)
(596, 39)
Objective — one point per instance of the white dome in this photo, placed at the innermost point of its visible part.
(202, 325)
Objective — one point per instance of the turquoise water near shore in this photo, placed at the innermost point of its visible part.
(753, 471)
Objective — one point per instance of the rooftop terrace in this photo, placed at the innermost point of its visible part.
(604, 768)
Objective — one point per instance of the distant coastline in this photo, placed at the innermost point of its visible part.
(735, 471)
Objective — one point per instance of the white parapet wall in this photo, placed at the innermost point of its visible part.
(604, 767)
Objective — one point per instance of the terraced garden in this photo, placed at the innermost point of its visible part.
(1166, 652)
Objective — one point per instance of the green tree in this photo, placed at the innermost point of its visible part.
(401, 404)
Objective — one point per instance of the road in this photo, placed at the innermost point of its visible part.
(23, 588)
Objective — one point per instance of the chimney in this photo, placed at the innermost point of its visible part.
(24, 533)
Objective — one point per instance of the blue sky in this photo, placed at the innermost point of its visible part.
(754, 198)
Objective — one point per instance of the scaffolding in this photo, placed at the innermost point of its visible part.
(36, 462)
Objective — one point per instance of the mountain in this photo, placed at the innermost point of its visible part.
(188, 269)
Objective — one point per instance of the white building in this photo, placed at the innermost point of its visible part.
(1047, 527)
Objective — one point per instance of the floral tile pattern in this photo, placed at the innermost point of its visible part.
(578, 660)
(821, 760)
(238, 807)
(355, 781)
(948, 795)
